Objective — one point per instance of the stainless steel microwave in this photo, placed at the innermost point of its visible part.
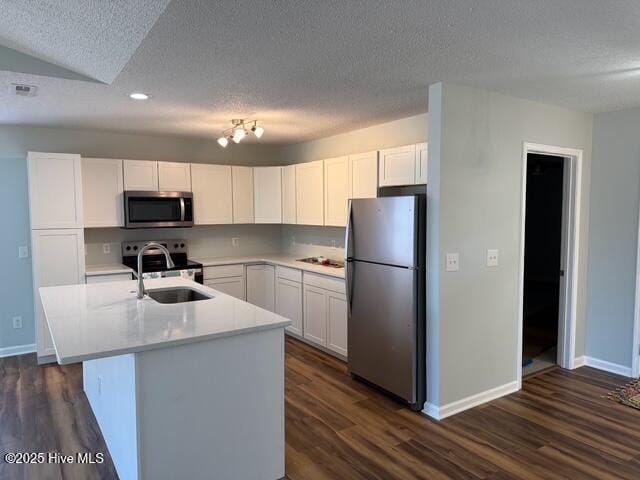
(158, 209)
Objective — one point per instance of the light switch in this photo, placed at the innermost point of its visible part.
(492, 258)
(453, 262)
(23, 252)
(235, 241)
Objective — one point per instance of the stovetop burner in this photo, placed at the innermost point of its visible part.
(153, 259)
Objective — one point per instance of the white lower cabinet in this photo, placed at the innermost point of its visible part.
(234, 286)
(261, 286)
(289, 303)
(325, 312)
(58, 259)
(229, 279)
(315, 315)
(107, 278)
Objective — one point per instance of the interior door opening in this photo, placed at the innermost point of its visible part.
(545, 257)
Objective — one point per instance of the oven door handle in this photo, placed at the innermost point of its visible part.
(182, 209)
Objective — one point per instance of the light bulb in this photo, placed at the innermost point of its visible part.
(223, 141)
(257, 131)
(238, 134)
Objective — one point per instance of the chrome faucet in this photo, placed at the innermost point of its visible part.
(141, 290)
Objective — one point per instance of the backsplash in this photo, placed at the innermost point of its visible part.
(204, 241)
(309, 241)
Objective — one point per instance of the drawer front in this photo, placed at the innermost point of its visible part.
(289, 273)
(322, 281)
(223, 271)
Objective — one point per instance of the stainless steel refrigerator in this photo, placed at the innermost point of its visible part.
(385, 277)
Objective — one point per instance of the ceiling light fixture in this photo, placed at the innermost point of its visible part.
(239, 130)
(139, 96)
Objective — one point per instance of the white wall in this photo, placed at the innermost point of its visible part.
(474, 184)
(613, 236)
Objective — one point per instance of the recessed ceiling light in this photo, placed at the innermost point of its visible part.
(139, 96)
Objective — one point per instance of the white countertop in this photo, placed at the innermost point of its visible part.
(106, 319)
(272, 259)
(106, 269)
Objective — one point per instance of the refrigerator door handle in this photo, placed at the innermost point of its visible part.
(348, 279)
(348, 239)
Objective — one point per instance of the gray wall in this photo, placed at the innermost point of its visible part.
(16, 288)
(475, 168)
(385, 135)
(613, 235)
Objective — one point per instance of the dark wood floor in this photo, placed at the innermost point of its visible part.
(557, 427)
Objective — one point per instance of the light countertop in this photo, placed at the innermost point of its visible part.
(284, 260)
(106, 319)
(106, 269)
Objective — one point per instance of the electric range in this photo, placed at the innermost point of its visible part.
(154, 264)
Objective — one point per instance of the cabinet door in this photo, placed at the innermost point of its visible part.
(212, 197)
(234, 286)
(398, 166)
(261, 286)
(58, 259)
(310, 193)
(337, 322)
(267, 194)
(336, 191)
(242, 194)
(174, 177)
(55, 190)
(102, 187)
(118, 277)
(289, 194)
(315, 315)
(289, 303)
(363, 175)
(422, 162)
(141, 175)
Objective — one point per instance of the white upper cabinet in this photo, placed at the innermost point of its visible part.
(398, 166)
(422, 162)
(242, 194)
(289, 194)
(310, 193)
(212, 197)
(174, 177)
(55, 190)
(363, 175)
(336, 191)
(102, 186)
(267, 194)
(141, 175)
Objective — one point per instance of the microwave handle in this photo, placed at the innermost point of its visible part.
(182, 209)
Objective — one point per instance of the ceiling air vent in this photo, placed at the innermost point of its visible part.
(23, 90)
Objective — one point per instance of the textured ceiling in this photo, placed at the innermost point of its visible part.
(307, 69)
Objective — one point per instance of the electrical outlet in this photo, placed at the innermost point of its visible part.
(235, 241)
(333, 243)
(106, 248)
(492, 258)
(453, 262)
(23, 252)
(17, 322)
(293, 239)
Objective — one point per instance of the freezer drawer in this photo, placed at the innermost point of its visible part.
(382, 324)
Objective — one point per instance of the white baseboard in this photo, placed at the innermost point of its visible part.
(607, 366)
(17, 350)
(579, 362)
(458, 406)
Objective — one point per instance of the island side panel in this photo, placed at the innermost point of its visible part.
(110, 386)
(213, 409)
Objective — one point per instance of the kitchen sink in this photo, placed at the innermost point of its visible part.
(177, 295)
(324, 262)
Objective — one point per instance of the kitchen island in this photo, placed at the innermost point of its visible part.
(180, 390)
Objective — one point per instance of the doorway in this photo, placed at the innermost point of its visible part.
(568, 268)
(543, 255)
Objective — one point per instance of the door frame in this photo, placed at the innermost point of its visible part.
(635, 348)
(567, 327)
